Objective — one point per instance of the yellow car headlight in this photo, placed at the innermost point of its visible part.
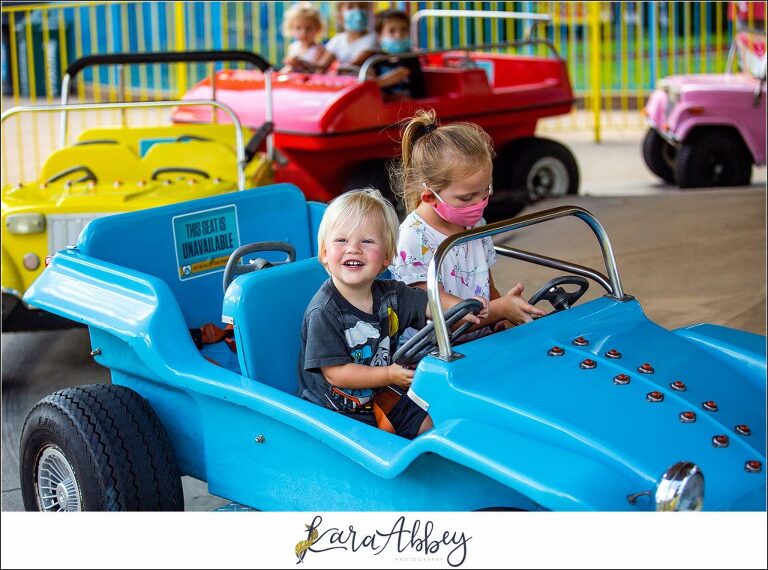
(25, 223)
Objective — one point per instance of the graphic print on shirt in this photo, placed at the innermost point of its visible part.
(360, 339)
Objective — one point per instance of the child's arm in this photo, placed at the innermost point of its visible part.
(449, 301)
(362, 56)
(358, 376)
(393, 77)
(325, 60)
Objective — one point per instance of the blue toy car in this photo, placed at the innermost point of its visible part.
(593, 407)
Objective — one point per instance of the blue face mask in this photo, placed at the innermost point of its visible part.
(355, 20)
(391, 45)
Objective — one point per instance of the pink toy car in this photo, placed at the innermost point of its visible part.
(709, 129)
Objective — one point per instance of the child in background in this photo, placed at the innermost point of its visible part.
(352, 324)
(445, 183)
(355, 44)
(398, 78)
(303, 23)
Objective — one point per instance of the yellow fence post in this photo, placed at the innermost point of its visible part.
(181, 45)
(594, 36)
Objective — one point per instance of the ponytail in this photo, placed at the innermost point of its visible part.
(437, 155)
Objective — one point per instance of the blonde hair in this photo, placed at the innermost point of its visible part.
(303, 11)
(438, 155)
(353, 209)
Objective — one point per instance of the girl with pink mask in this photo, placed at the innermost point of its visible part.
(445, 183)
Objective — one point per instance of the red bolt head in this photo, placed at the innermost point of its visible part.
(655, 396)
(687, 417)
(720, 441)
(743, 429)
(753, 466)
(710, 406)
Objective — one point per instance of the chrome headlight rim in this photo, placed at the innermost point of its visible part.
(673, 484)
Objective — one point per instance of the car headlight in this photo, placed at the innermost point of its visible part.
(681, 488)
(25, 223)
(674, 96)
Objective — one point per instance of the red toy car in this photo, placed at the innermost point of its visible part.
(337, 132)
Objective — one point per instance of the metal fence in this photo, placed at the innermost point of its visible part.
(616, 51)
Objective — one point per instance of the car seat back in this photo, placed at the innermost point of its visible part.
(107, 161)
(267, 310)
(270, 213)
(205, 161)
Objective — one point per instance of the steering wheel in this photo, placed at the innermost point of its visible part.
(232, 269)
(301, 66)
(187, 138)
(179, 169)
(425, 340)
(558, 297)
(89, 175)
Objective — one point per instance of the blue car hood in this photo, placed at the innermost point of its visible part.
(511, 381)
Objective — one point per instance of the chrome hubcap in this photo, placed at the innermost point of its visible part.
(547, 178)
(57, 488)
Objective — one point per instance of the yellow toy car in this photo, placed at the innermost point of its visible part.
(110, 169)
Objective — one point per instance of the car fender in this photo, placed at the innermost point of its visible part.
(654, 108)
(684, 122)
(741, 350)
(12, 282)
(553, 477)
(134, 307)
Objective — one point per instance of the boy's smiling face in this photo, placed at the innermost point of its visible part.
(355, 254)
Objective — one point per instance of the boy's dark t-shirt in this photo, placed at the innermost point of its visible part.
(411, 86)
(336, 332)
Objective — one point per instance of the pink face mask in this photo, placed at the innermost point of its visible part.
(467, 216)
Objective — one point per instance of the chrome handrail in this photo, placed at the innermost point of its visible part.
(376, 58)
(239, 144)
(554, 263)
(535, 18)
(433, 272)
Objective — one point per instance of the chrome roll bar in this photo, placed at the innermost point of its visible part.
(553, 263)
(362, 75)
(239, 145)
(525, 16)
(212, 57)
(433, 272)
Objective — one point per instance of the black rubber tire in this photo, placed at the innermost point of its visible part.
(376, 174)
(519, 169)
(509, 196)
(114, 443)
(659, 156)
(713, 157)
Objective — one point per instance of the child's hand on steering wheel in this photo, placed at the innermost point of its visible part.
(482, 314)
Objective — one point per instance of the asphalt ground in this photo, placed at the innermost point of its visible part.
(688, 256)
